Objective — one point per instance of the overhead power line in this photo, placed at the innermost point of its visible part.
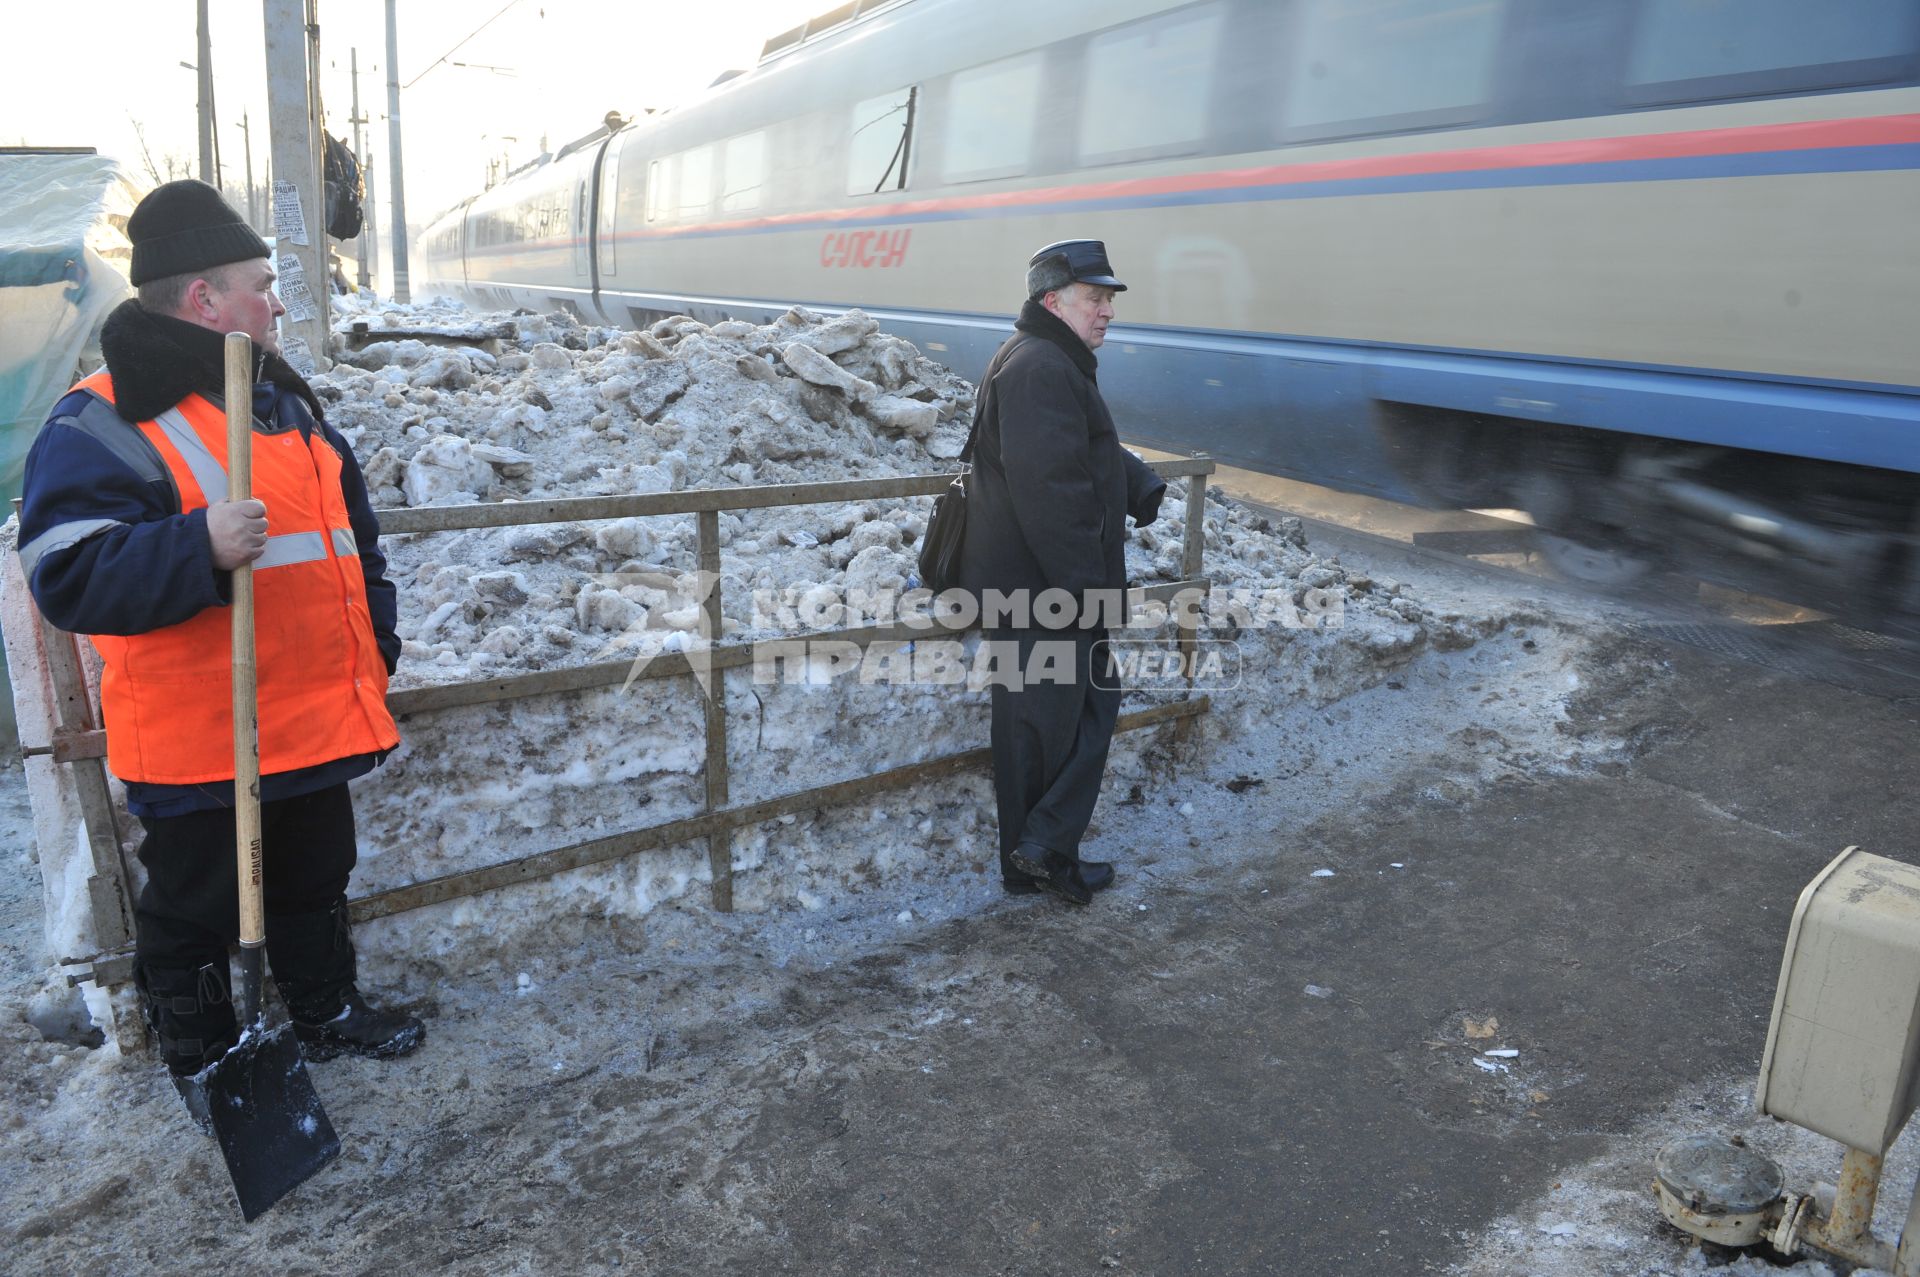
(456, 48)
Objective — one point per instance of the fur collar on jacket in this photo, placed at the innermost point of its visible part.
(157, 360)
(1041, 322)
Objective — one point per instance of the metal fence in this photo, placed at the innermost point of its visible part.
(81, 740)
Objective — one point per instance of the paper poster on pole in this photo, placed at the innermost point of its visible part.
(295, 293)
(289, 221)
(295, 351)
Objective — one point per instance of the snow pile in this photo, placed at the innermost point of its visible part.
(572, 411)
(580, 411)
(584, 412)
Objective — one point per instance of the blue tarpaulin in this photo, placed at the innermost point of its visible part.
(63, 267)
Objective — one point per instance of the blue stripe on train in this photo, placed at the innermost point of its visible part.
(1306, 408)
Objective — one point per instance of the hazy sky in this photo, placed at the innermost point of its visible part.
(82, 75)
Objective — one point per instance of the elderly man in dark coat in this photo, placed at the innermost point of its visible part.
(1047, 530)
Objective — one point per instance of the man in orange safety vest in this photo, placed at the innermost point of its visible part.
(126, 536)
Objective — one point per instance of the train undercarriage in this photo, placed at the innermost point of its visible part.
(1611, 508)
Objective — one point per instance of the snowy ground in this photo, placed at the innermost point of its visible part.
(638, 1061)
(1598, 1219)
(611, 1065)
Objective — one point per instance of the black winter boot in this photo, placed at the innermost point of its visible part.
(190, 1010)
(312, 959)
(359, 1029)
(313, 963)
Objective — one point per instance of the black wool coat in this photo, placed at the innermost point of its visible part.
(1051, 488)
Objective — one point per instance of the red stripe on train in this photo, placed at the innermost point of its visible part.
(1881, 130)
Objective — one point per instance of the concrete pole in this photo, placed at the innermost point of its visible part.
(360, 158)
(299, 199)
(203, 70)
(317, 113)
(401, 290)
(373, 223)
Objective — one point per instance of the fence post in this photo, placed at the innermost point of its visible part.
(109, 896)
(719, 842)
(1193, 551)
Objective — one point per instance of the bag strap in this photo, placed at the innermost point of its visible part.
(973, 436)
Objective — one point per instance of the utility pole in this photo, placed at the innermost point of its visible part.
(401, 290)
(299, 197)
(253, 196)
(360, 158)
(209, 172)
(373, 223)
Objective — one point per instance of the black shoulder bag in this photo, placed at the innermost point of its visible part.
(947, 527)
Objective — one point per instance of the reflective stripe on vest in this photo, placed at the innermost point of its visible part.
(291, 547)
(204, 466)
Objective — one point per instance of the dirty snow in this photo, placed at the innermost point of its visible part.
(1601, 1218)
(1389, 687)
(569, 411)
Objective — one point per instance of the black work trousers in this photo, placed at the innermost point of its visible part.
(189, 911)
(1050, 738)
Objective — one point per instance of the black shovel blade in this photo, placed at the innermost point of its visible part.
(271, 1127)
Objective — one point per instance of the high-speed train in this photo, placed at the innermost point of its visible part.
(1646, 269)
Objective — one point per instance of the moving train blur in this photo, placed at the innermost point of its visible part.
(1644, 269)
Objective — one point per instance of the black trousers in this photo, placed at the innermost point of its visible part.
(189, 911)
(1050, 739)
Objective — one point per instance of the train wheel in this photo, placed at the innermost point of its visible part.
(1604, 567)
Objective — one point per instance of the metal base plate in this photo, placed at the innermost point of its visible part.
(1716, 1189)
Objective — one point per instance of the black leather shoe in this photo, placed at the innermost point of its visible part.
(359, 1029)
(1053, 873)
(1097, 874)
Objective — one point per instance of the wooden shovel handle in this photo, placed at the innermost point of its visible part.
(246, 719)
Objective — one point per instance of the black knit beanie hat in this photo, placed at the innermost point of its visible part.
(186, 226)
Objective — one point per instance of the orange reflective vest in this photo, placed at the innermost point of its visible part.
(167, 695)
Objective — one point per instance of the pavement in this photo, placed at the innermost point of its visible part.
(1157, 1091)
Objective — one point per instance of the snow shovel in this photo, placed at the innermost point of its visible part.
(271, 1127)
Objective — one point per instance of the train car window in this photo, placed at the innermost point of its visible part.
(656, 191)
(991, 115)
(743, 170)
(1174, 53)
(877, 154)
(694, 181)
(1691, 50)
(604, 246)
(1368, 66)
